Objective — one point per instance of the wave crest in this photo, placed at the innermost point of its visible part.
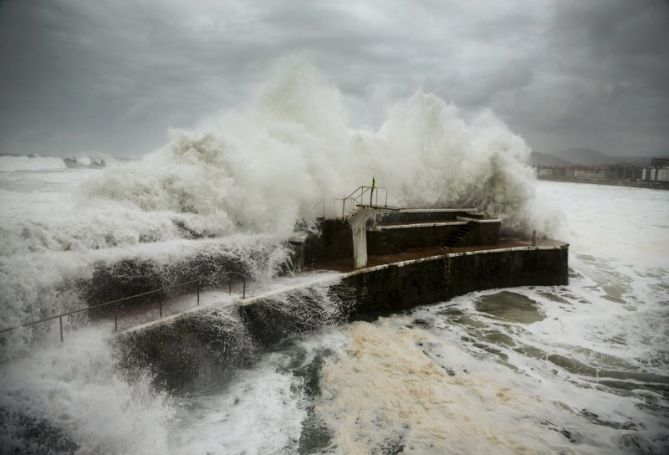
(264, 168)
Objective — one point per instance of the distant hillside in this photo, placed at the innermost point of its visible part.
(590, 157)
(640, 161)
(544, 159)
(583, 156)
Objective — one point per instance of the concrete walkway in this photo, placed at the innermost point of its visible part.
(147, 314)
(346, 265)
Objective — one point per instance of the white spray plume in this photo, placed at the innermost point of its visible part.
(264, 167)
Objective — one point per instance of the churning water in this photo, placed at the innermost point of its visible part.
(582, 368)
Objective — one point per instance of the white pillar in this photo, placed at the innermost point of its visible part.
(358, 224)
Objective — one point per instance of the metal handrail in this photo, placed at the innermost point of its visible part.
(364, 187)
(357, 199)
(117, 301)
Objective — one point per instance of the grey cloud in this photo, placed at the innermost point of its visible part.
(114, 75)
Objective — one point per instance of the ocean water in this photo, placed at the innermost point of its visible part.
(572, 369)
(582, 368)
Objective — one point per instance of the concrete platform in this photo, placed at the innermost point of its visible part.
(345, 265)
(195, 339)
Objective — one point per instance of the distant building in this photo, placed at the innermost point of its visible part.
(623, 171)
(659, 162)
(586, 173)
(658, 171)
(654, 176)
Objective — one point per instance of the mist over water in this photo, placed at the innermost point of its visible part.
(575, 369)
(71, 398)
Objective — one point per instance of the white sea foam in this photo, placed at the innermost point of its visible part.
(10, 163)
(469, 381)
(386, 393)
(75, 388)
(628, 225)
(586, 375)
(35, 163)
(37, 285)
(260, 412)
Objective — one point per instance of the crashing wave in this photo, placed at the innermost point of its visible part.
(267, 166)
(85, 163)
(15, 163)
(257, 171)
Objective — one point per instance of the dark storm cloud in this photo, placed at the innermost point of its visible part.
(607, 77)
(77, 76)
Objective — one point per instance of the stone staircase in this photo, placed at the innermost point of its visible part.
(455, 239)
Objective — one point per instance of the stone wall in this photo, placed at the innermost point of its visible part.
(392, 288)
(397, 287)
(388, 240)
(507, 268)
(484, 232)
(391, 241)
(334, 241)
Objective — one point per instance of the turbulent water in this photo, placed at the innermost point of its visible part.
(575, 369)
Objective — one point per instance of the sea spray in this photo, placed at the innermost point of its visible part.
(261, 169)
(212, 343)
(67, 281)
(305, 308)
(266, 166)
(71, 397)
(191, 352)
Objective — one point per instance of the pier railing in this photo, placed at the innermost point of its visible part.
(115, 303)
(363, 196)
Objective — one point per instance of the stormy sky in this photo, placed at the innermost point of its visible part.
(112, 76)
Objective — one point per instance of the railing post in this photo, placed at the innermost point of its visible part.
(385, 204)
(60, 320)
(343, 208)
(116, 317)
(198, 292)
(243, 287)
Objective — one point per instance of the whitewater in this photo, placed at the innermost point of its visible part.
(573, 369)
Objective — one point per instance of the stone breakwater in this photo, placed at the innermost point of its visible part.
(184, 348)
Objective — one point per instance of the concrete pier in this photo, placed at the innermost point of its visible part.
(414, 257)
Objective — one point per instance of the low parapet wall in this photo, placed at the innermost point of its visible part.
(400, 286)
(408, 216)
(396, 238)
